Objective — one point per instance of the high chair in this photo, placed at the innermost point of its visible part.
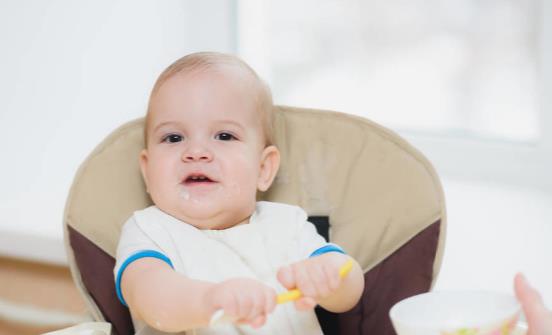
(363, 186)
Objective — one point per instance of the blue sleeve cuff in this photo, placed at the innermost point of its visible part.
(330, 247)
(136, 256)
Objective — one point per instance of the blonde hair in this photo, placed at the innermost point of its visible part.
(205, 61)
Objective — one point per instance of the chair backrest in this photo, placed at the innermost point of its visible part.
(382, 199)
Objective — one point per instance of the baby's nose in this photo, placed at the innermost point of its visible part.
(197, 154)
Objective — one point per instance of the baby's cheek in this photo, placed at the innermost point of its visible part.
(238, 190)
(243, 177)
(233, 189)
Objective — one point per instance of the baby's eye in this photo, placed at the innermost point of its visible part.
(172, 138)
(225, 136)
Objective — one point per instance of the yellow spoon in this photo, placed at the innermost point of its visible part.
(296, 294)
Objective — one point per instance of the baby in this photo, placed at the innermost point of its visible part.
(207, 245)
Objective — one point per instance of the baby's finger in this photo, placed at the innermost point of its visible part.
(258, 305)
(304, 281)
(319, 281)
(270, 301)
(286, 278)
(245, 304)
(305, 303)
(332, 277)
(258, 322)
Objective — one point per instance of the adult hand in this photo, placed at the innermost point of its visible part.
(539, 318)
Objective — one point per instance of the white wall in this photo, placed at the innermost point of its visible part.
(71, 72)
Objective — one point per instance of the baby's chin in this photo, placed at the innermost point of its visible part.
(210, 216)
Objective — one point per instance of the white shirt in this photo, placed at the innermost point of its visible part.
(277, 234)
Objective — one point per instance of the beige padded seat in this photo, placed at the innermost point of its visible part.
(381, 197)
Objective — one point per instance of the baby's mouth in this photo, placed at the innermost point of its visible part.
(197, 179)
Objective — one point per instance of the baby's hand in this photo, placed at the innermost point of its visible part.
(316, 278)
(248, 300)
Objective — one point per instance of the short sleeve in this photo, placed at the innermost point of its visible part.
(133, 245)
(310, 243)
(309, 240)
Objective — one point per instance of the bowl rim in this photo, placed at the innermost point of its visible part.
(511, 313)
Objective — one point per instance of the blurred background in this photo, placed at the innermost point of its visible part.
(468, 82)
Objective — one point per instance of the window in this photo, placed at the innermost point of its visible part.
(461, 79)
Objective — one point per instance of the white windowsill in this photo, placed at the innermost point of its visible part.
(33, 246)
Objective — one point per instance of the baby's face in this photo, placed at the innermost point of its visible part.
(206, 153)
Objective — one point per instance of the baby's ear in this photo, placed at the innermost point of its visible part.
(144, 166)
(270, 162)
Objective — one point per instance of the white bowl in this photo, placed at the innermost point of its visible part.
(456, 313)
